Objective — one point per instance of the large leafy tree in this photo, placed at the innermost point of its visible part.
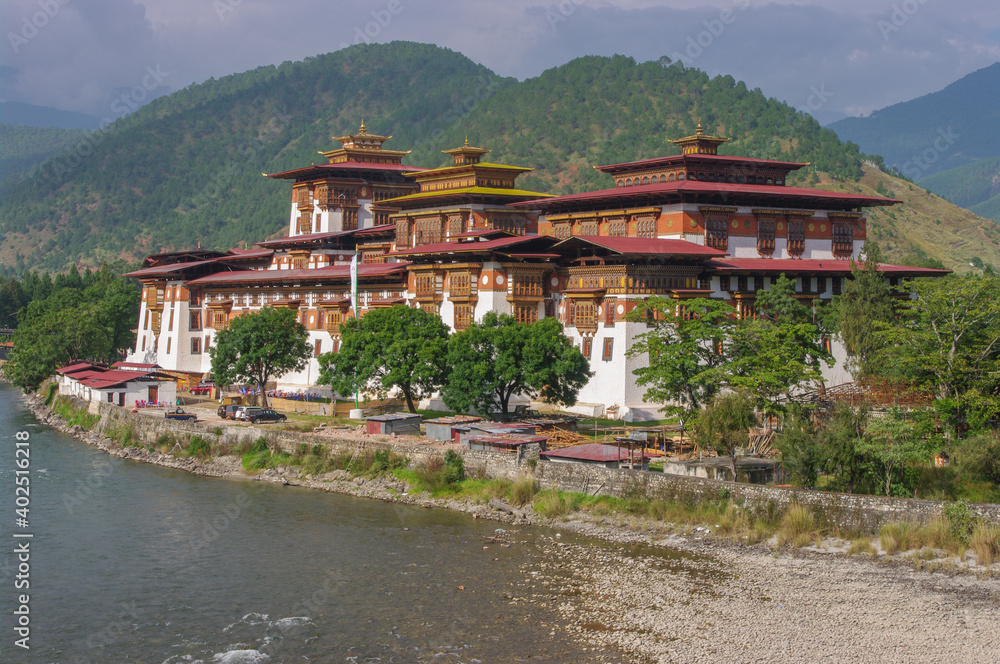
(725, 425)
(56, 338)
(947, 340)
(393, 348)
(77, 316)
(259, 346)
(493, 360)
(687, 346)
(863, 310)
(780, 350)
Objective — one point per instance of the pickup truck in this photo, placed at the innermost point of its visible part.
(179, 414)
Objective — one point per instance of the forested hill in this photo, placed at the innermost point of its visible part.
(952, 127)
(186, 167)
(23, 147)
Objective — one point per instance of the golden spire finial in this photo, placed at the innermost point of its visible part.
(362, 130)
(467, 140)
(699, 130)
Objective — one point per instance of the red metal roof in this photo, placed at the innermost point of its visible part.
(169, 268)
(593, 452)
(698, 187)
(78, 366)
(476, 246)
(512, 439)
(332, 272)
(646, 246)
(311, 237)
(344, 166)
(136, 365)
(825, 266)
(673, 159)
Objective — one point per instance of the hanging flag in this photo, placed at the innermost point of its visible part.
(354, 284)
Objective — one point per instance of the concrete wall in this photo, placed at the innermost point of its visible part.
(846, 510)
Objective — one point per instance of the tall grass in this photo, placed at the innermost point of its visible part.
(985, 541)
(900, 536)
(798, 526)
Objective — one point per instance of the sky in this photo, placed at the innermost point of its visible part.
(829, 57)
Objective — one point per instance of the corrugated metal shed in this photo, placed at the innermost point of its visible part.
(505, 443)
(493, 429)
(608, 455)
(442, 428)
(401, 424)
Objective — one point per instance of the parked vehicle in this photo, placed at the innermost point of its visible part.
(241, 413)
(202, 388)
(179, 414)
(258, 415)
(227, 412)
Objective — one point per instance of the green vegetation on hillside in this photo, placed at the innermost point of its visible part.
(186, 167)
(966, 185)
(23, 147)
(952, 127)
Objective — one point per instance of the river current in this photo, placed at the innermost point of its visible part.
(135, 563)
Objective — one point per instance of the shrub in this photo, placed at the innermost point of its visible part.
(454, 467)
(900, 536)
(980, 456)
(960, 521)
(985, 541)
(50, 393)
(797, 526)
(302, 450)
(319, 450)
(552, 503)
(259, 445)
(862, 545)
(523, 490)
(198, 447)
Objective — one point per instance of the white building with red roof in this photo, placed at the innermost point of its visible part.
(464, 240)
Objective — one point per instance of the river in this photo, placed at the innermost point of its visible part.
(136, 563)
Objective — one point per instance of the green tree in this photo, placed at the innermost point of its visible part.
(864, 308)
(53, 339)
(947, 340)
(493, 360)
(397, 347)
(842, 449)
(801, 451)
(258, 346)
(725, 424)
(687, 349)
(892, 442)
(979, 456)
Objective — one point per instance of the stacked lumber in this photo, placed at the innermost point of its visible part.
(560, 438)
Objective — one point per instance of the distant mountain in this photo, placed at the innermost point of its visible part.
(953, 127)
(12, 112)
(23, 147)
(975, 187)
(186, 168)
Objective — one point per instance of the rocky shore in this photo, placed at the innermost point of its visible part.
(669, 597)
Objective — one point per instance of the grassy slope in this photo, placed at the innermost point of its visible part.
(924, 223)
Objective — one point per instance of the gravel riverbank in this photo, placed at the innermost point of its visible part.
(685, 598)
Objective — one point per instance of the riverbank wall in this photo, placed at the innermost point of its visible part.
(848, 511)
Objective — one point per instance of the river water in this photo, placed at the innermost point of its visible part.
(136, 563)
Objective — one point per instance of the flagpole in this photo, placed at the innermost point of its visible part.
(354, 306)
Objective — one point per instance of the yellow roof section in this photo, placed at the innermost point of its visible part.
(481, 191)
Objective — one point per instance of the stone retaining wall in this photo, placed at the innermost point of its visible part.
(849, 511)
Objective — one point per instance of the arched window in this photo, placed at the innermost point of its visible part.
(645, 180)
(672, 177)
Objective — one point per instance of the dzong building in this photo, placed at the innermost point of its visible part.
(465, 239)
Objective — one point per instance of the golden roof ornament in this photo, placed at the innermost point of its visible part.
(362, 130)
